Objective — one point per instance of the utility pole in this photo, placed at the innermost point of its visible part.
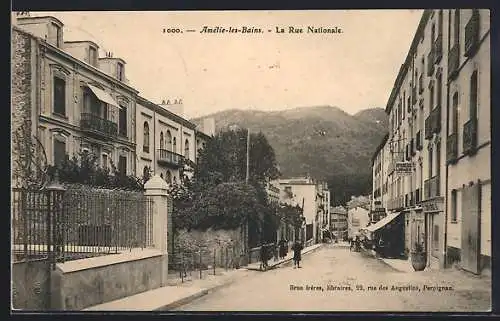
(248, 156)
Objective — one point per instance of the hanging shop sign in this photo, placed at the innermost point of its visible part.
(404, 168)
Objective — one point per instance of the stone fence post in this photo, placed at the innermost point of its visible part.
(156, 190)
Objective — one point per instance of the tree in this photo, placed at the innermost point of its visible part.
(227, 205)
(224, 159)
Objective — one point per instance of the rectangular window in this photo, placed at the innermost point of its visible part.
(453, 206)
(473, 96)
(430, 163)
(123, 121)
(122, 165)
(439, 90)
(59, 96)
(119, 71)
(92, 56)
(104, 161)
(59, 151)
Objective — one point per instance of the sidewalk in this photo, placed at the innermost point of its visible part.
(399, 264)
(272, 264)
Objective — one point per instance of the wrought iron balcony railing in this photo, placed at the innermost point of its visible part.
(452, 148)
(169, 158)
(470, 137)
(430, 62)
(438, 48)
(472, 34)
(432, 187)
(453, 60)
(95, 124)
(436, 119)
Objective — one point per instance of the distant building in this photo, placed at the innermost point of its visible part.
(338, 222)
(358, 214)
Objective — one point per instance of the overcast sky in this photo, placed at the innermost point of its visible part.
(353, 70)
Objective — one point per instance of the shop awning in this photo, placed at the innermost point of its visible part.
(103, 96)
(383, 222)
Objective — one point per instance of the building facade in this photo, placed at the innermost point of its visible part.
(468, 144)
(338, 222)
(166, 142)
(439, 138)
(78, 101)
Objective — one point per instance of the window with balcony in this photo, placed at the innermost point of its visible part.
(122, 119)
(454, 54)
(162, 141)
(120, 71)
(470, 127)
(169, 141)
(453, 206)
(439, 91)
(452, 141)
(430, 163)
(59, 96)
(122, 165)
(472, 34)
(186, 149)
(145, 145)
(59, 151)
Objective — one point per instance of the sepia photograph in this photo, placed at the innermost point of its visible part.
(251, 161)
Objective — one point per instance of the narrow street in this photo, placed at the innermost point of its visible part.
(341, 281)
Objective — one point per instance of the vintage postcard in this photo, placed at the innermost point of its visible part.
(329, 160)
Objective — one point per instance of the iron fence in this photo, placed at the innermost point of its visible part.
(78, 222)
(197, 262)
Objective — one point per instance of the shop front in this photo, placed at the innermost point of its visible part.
(433, 210)
(387, 236)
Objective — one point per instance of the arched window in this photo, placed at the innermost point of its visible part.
(169, 177)
(169, 140)
(174, 149)
(161, 140)
(186, 149)
(145, 146)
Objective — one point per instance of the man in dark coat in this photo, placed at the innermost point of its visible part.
(297, 248)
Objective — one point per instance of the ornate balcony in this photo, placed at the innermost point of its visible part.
(453, 60)
(436, 119)
(418, 141)
(472, 34)
(96, 125)
(438, 48)
(166, 157)
(452, 148)
(432, 187)
(470, 137)
(428, 127)
(430, 62)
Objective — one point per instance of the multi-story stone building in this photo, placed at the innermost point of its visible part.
(166, 142)
(442, 87)
(338, 222)
(75, 100)
(468, 146)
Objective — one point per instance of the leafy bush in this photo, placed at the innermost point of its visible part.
(84, 169)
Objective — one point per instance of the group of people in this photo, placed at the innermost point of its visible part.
(280, 250)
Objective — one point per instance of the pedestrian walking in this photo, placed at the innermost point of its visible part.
(263, 256)
(282, 249)
(297, 248)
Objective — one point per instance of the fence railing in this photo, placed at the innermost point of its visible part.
(198, 262)
(78, 222)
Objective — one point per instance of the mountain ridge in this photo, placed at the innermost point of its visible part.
(320, 141)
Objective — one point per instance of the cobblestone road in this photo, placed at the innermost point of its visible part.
(334, 279)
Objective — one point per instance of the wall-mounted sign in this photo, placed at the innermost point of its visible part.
(433, 205)
(404, 168)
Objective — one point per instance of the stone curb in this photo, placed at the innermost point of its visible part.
(183, 301)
